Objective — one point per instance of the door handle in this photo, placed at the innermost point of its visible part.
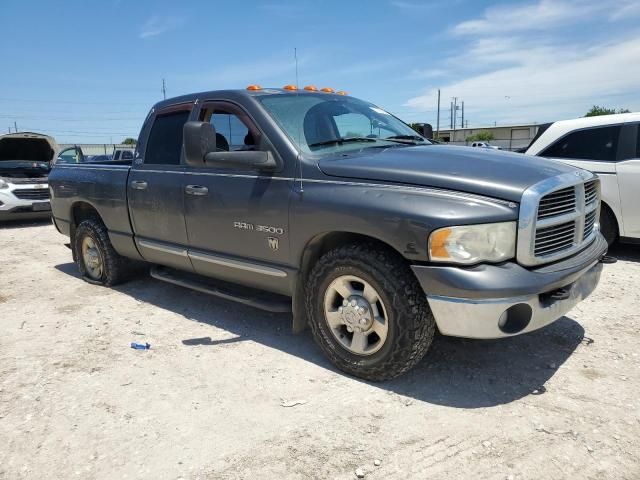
(197, 190)
(139, 184)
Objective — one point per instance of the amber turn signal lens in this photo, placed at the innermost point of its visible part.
(438, 243)
(254, 87)
(289, 87)
(311, 88)
(327, 90)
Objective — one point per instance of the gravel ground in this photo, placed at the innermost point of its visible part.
(227, 391)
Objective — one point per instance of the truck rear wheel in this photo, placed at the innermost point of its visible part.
(367, 312)
(96, 258)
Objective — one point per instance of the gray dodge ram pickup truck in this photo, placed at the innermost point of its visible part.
(330, 207)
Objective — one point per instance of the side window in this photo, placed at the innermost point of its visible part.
(638, 142)
(117, 156)
(68, 155)
(234, 130)
(165, 139)
(599, 143)
(127, 155)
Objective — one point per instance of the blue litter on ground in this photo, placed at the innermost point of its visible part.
(140, 346)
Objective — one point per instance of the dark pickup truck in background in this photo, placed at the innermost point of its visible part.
(330, 207)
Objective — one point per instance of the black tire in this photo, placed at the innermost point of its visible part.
(608, 225)
(411, 326)
(114, 270)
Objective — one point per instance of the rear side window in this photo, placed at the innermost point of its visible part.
(165, 140)
(599, 143)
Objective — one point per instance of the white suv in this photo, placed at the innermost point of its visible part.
(608, 145)
(25, 161)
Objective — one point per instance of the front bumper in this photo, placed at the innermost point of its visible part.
(493, 301)
(14, 208)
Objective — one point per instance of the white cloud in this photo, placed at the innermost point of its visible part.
(157, 25)
(545, 82)
(517, 64)
(544, 15)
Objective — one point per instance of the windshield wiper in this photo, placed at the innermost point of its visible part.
(405, 138)
(340, 141)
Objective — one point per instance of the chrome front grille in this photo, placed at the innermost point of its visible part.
(589, 223)
(558, 217)
(557, 203)
(590, 192)
(555, 238)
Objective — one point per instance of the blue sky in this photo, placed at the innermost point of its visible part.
(89, 71)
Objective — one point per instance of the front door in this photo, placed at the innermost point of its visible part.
(237, 221)
(155, 191)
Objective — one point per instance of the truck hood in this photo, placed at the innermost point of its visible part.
(482, 171)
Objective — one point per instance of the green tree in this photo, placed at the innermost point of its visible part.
(480, 137)
(129, 141)
(597, 110)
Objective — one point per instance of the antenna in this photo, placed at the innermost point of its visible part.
(164, 89)
(295, 57)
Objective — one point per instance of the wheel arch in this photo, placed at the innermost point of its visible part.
(312, 251)
(80, 211)
(604, 206)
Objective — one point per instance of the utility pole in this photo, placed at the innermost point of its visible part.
(164, 89)
(462, 123)
(9, 129)
(451, 115)
(15, 125)
(438, 121)
(455, 114)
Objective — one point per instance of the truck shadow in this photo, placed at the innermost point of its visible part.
(626, 252)
(456, 372)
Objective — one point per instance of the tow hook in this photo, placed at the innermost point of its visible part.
(608, 259)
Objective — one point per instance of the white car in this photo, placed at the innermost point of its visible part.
(484, 145)
(608, 145)
(25, 161)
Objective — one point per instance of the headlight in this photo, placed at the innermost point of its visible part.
(3, 184)
(467, 244)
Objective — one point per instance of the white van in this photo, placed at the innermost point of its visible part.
(608, 145)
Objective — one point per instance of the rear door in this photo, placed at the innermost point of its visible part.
(237, 220)
(628, 169)
(155, 190)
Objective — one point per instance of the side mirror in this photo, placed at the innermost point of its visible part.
(241, 160)
(199, 140)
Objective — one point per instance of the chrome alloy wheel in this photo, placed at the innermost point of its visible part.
(356, 315)
(92, 258)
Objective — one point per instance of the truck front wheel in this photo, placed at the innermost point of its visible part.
(96, 258)
(367, 312)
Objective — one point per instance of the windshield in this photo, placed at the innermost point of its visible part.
(328, 124)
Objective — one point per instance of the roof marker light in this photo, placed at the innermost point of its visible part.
(342, 92)
(290, 87)
(254, 87)
(311, 88)
(327, 90)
